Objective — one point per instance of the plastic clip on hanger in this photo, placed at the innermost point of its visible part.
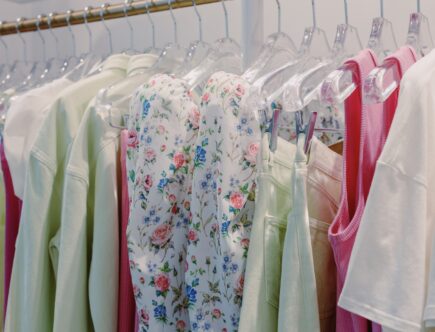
(197, 50)
(172, 56)
(340, 84)
(278, 50)
(225, 55)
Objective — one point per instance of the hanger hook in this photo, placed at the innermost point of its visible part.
(128, 5)
(346, 12)
(278, 6)
(174, 21)
(153, 28)
(44, 48)
(56, 40)
(102, 10)
(313, 8)
(17, 26)
(199, 20)
(5, 46)
(418, 6)
(73, 37)
(227, 29)
(86, 12)
(382, 8)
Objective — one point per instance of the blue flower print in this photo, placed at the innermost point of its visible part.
(146, 108)
(160, 312)
(191, 294)
(199, 156)
(162, 183)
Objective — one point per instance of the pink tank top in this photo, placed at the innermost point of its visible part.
(366, 130)
(13, 214)
(126, 306)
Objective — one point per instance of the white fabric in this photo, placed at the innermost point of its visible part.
(23, 122)
(391, 277)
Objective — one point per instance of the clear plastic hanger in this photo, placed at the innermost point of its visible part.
(340, 84)
(172, 56)
(198, 49)
(5, 67)
(37, 68)
(419, 33)
(103, 9)
(131, 50)
(225, 55)
(385, 79)
(304, 87)
(278, 50)
(382, 39)
(314, 48)
(152, 49)
(90, 63)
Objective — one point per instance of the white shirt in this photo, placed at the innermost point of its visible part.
(90, 215)
(33, 278)
(23, 122)
(391, 277)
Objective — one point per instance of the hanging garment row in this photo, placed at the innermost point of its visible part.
(175, 190)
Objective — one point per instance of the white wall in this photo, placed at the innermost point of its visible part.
(296, 16)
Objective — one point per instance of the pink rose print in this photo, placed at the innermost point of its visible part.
(245, 243)
(179, 159)
(144, 317)
(206, 97)
(240, 90)
(148, 182)
(216, 313)
(181, 325)
(161, 129)
(142, 280)
(150, 154)
(192, 235)
(240, 283)
(135, 290)
(172, 198)
(161, 235)
(132, 139)
(196, 116)
(162, 282)
(187, 205)
(251, 153)
(163, 148)
(236, 200)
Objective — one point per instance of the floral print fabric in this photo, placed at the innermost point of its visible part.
(162, 133)
(222, 204)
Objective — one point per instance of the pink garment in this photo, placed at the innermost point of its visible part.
(126, 305)
(13, 214)
(366, 131)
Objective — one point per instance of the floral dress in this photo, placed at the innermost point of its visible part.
(222, 204)
(162, 135)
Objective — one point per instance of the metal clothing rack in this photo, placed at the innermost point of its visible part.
(111, 11)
